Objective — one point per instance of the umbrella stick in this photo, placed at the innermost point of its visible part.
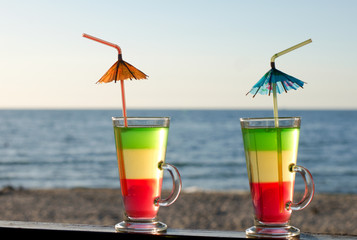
(275, 101)
(123, 101)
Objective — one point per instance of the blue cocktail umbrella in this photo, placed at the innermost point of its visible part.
(283, 81)
(277, 81)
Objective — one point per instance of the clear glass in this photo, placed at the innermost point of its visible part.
(271, 154)
(141, 149)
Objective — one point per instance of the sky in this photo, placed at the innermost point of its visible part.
(198, 54)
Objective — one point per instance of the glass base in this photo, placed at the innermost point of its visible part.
(263, 231)
(140, 227)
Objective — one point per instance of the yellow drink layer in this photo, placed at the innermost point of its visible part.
(264, 165)
(143, 163)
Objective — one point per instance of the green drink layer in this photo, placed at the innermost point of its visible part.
(266, 139)
(141, 137)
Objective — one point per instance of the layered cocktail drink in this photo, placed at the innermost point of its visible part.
(141, 150)
(262, 154)
(271, 154)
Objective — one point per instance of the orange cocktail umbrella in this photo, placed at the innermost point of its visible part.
(120, 70)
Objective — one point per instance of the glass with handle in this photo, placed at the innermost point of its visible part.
(141, 150)
(271, 154)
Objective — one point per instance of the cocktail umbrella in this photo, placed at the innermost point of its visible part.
(120, 70)
(278, 81)
(283, 81)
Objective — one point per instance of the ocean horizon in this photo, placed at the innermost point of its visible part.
(69, 148)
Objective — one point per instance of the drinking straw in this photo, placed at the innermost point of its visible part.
(272, 63)
(121, 81)
(276, 122)
(280, 156)
(289, 50)
(103, 41)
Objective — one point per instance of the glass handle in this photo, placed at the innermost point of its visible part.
(309, 188)
(176, 188)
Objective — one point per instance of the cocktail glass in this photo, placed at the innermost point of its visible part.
(271, 154)
(141, 150)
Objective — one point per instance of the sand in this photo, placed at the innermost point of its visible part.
(328, 213)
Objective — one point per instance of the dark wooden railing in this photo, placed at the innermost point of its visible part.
(39, 230)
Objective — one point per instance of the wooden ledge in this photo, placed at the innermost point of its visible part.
(40, 230)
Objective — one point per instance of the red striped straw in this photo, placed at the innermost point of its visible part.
(121, 81)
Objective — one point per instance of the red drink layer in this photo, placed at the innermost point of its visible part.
(266, 201)
(139, 196)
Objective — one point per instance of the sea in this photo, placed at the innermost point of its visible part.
(43, 149)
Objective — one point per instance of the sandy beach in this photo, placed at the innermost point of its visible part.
(328, 213)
